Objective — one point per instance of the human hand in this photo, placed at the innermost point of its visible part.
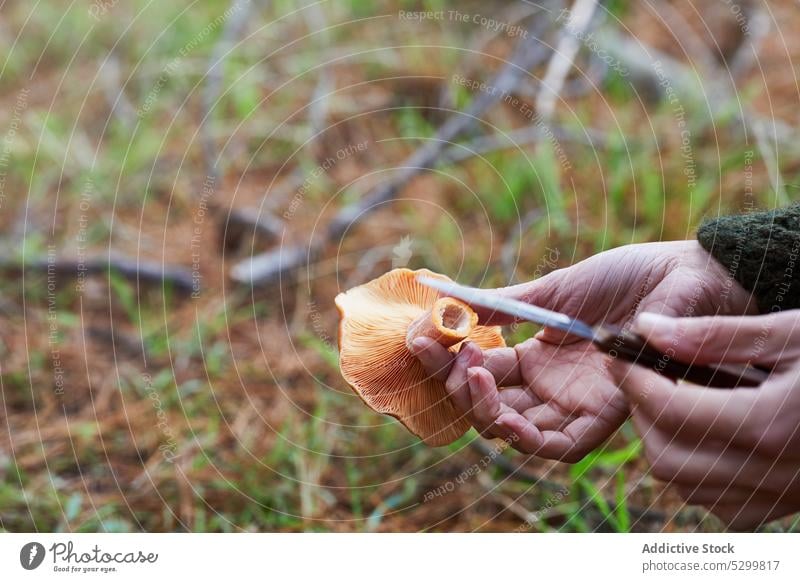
(677, 278)
(735, 452)
(557, 399)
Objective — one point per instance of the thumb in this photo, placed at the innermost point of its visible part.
(764, 339)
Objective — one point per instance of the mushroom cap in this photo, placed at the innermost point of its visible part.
(376, 362)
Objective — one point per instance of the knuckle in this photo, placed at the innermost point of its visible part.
(669, 418)
(524, 348)
(698, 333)
(768, 432)
(452, 384)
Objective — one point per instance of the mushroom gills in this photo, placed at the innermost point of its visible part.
(379, 320)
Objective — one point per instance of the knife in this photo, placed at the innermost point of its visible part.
(613, 340)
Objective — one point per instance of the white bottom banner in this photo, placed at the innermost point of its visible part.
(405, 557)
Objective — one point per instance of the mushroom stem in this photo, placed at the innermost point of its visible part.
(448, 322)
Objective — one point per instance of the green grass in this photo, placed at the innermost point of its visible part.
(609, 465)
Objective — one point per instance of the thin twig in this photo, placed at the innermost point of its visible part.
(131, 268)
(522, 136)
(510, 15)
(767, 146)
(237, 22)
(318, 108)
(578, 21)
(366, 264)
(758, 26)
(110, 73)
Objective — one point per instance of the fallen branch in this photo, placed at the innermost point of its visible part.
(527, 135)
(131, 268)
(268, 267)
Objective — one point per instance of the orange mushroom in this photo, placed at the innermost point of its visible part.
(379, 320)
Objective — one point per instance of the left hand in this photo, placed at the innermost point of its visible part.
(735, 452)
(556, 402)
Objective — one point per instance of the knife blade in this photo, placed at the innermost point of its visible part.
(613, 340)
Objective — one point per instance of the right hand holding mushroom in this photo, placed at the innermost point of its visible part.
(553, 396)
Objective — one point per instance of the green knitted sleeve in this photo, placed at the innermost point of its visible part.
(760, 249)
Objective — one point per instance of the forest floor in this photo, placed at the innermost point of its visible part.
(204, 404)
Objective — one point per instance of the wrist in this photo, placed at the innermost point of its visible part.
(734, 299)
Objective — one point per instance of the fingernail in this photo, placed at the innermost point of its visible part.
(649, 324)
(464, 345)
(504, 430)
(472, 375)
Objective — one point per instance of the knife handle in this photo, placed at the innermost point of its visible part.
(633, 348)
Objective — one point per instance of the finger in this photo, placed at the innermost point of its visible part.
(456, 384)
(438, 361)
(523, 435)
(435, 358)
(693, 413)
(704, 340)
(485, 399)
(519, 399)
(712, 465)
(570, 445)
(500, 431)
(503, 364)
(576, 440)
(548, 416)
